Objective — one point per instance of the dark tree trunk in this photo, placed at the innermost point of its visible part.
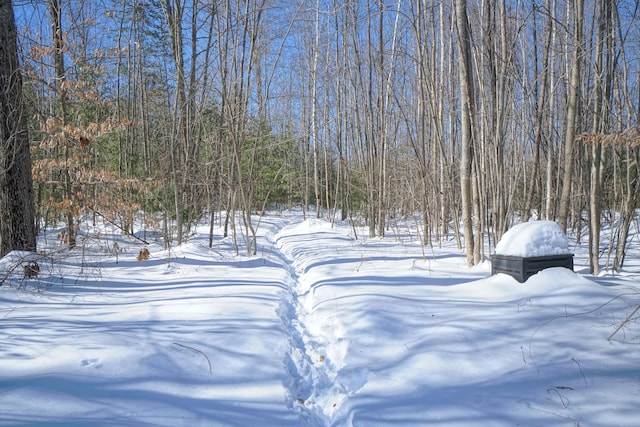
(17, 211)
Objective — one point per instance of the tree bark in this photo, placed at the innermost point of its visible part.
(466, 154)
(572, 114)
(17, 211)
(180, 134)
(60, 77)
(604, 74)
(541, 93)
(314, 109)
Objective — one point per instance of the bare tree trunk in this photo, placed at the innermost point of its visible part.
(314, 109)
(341, 185)
(17, 212)
(180, 134)
(629, 203)
(239, 30)
(571, 117)
(466, 154)
(541, 107)
(60, 75)
(604, 73)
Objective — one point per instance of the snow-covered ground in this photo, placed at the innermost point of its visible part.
(318, 329)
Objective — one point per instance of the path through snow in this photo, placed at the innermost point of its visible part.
(317, 349)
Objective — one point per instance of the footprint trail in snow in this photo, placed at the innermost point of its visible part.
(318, 382)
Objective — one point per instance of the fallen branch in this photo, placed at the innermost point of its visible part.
(623, 323)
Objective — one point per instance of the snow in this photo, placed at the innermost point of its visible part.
(318, 329)
(533, 239)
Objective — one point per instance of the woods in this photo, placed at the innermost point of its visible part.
(474, 115)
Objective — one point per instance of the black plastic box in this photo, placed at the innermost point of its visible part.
(522, 268)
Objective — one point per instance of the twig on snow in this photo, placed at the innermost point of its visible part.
(10, 311)
(563, 401)
(573, 359)
(197, 351)
(624, 323)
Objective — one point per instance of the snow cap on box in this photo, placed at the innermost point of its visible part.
(533, 239)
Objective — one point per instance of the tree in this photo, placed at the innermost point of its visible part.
(17, 211)
(467, 96)
(604, 71)
(572, 113)
(61, 89)
(239, 29)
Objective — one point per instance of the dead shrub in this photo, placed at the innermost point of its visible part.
(31, 269)
(143, 255)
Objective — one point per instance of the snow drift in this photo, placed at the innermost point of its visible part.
(320, 329)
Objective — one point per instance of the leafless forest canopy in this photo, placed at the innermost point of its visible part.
(471, 114)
